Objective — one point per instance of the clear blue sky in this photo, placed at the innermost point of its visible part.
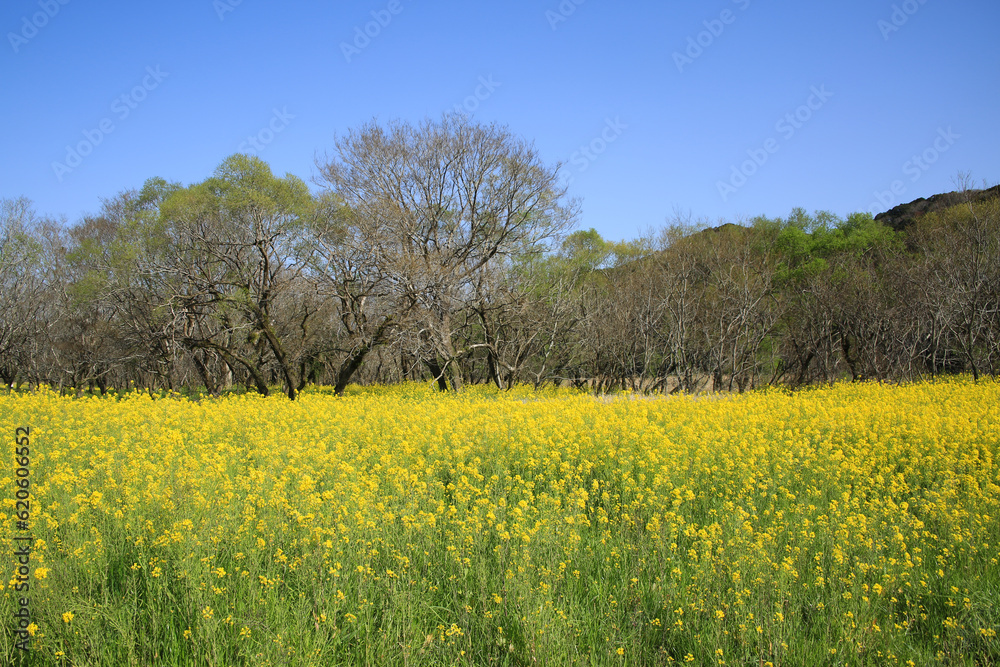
(200, 77)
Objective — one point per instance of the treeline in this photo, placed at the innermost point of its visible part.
(444, 252)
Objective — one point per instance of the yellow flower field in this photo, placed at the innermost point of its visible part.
(851, 525)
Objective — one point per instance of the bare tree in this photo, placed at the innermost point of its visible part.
(366, 309)
(960, 248)
(20, 286)
(740, 312)
(440, 203)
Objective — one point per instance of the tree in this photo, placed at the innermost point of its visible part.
(20, 285)
(236, 253)
(442, 202)
(367, 309)
(960, 283)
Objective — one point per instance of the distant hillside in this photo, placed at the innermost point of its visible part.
(904, 215)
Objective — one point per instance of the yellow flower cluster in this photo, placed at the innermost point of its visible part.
(859, 520)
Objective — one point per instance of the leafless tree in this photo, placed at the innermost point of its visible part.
(21, 273)
(440, 203)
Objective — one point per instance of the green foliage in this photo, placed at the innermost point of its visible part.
(245, 185)
(807, 246)
(585, 249)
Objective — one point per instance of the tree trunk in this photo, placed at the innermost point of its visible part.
(435, 368)
(349, 368)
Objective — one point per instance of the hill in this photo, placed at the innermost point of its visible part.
(904, 215)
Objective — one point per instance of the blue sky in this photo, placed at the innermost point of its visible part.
(723, 109)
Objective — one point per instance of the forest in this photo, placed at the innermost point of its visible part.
(447, 251)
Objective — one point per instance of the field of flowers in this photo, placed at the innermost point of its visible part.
(851, 525)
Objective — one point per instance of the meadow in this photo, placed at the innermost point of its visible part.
(857, 524)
